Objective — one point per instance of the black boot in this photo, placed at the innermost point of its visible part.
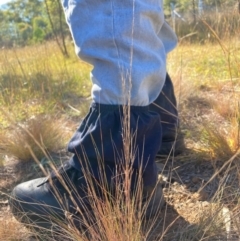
(49, 207)
(36, 204)
(166, 106)
(98, 146)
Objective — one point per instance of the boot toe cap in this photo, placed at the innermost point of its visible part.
(32, 197)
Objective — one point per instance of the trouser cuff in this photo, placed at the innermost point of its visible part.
(102, 137)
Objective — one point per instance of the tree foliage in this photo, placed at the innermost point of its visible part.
(39, 29)
(25, 22)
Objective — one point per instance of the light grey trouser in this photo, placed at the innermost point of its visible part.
(126, 41)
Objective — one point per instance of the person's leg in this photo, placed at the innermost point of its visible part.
(99, 137)
(129, 71)
(99, 142)
(166, 106)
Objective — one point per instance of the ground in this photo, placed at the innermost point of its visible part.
(201, 186)
(188, 189)
(199, 192)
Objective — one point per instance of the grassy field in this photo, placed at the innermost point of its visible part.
(43, 97)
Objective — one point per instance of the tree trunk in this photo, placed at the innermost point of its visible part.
(63, 46)
(194, 11)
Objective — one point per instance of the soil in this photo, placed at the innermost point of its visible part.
(189, 190)
(192, 183)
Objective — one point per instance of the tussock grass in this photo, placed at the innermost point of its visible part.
(216, 142)
(23, 139)
(220, 135)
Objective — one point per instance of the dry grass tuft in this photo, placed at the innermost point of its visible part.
(222, 141)
(216, 143)
(37, 134)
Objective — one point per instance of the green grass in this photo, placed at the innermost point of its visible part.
(38, 79)
(206, 64)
